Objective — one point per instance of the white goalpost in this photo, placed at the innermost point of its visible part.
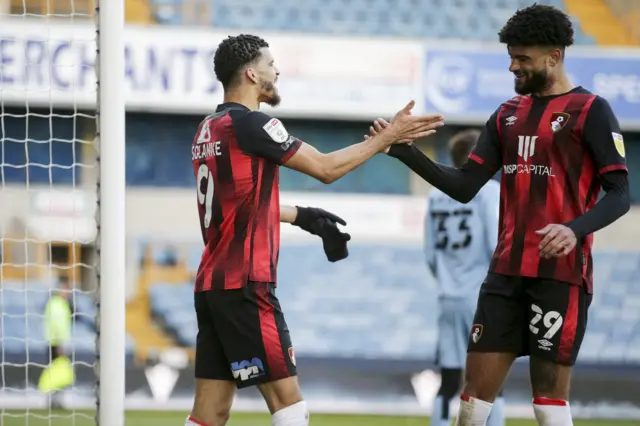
(62, 212)
(111, 189)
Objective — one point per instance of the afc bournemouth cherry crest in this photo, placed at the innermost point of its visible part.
(558, 121)
(292, 356)
(476, 332)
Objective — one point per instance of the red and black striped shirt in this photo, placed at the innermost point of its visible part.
(236, 154)
(551, 151)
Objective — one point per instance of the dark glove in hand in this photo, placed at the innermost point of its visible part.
(308, 215)
(334, 241)
(323, 223)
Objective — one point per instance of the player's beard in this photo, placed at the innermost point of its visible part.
(270, 92)
(534, 82)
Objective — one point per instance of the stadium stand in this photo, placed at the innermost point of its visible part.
(599, 20)
(78, 8)
(329, 314)
(605, 22)
(628, 12)
(455, 19)
(21, 320)
(157, 263)
(157, 167)
(365, 327)
(138, 11)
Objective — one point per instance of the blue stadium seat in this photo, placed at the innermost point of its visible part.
(44, 142)
(323, 299)
(194, 257)
(164, 255)
(182, 322)
(591, 345)
(380, 303)
(139, 164)
(85, 307)
(167, 12)
(166, 298)
(22, 334)
(457, 19)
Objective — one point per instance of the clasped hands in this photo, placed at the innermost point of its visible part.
(557, 240)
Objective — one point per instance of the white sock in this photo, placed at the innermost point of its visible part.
(293, 415)
(193, 422)
(552, 412)
(473, 411)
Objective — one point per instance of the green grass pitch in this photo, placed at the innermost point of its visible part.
(164, 418)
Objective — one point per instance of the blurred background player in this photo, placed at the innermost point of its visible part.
(557, 146)
(243, 339)
(58, 321)
(459, 242)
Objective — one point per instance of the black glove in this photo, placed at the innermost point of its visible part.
(308, 215)
(334, 241)
(323, 223)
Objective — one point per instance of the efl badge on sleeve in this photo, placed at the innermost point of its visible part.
(276, 131)
(619, 143)
(476, 332)
(558, 121)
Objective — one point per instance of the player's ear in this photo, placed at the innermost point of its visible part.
(554, 57)
(251, 74)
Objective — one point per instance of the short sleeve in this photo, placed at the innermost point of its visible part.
(487, 150)
(266, 137)
(601, 134)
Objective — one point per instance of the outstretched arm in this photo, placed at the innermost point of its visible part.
(330, 167)
(460, 184)
(262, 136)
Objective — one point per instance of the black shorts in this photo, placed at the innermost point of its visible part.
(242, 336)
(530, 316)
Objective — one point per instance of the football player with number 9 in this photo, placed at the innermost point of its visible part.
(243, 339)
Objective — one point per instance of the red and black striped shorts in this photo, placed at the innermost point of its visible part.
(530, 316)
(242, 336)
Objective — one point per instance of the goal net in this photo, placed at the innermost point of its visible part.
(53, 249)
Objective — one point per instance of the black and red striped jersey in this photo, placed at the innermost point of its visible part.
(551, 151)
(236, 154)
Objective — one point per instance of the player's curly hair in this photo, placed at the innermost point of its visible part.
(538, 25)
(461, 145)
(233, 54)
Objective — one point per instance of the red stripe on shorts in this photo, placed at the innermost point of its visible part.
(278, 368)
(570, 325)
